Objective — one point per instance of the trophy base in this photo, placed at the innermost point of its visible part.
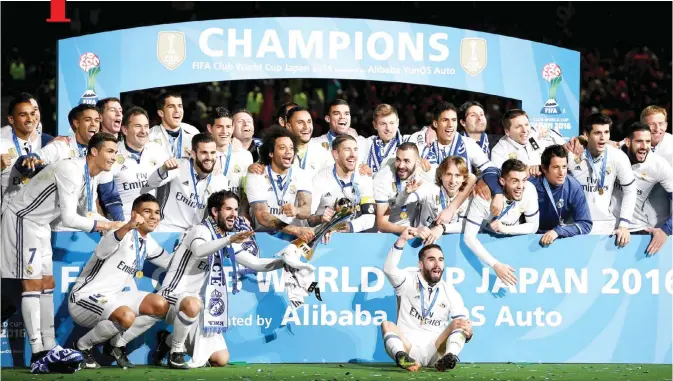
(305, 249)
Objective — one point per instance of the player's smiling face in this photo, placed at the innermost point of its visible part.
(557, 171)
(639, 145)
(23, 118)
(339, 119)
(346, 156)
(432, 265)
(112, 117)
(87, 125)
(222, 130)
(301, 124)
(283, 154)
(446, 126)
(137, 132)
(227, 215)
(598, 138)
(513, 183)
(519, 129)
(405, 163)
(475, 120)
(452, 179)
(106, 156)
(37, 111)
(151, 214)
(244, 127)
(205, 156)
(387, 126)
(658, 125)
(171, 114)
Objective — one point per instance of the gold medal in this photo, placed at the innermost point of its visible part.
(600, 191)
(24, 180)
(422, 320)
(139, 274)
(578, 159)
(404, 215)
(89, 214)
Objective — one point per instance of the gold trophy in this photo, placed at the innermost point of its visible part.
(344, 209)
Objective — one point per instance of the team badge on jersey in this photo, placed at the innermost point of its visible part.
(12, 153)
(120, 159)
(216, 304)
(293, 189)
(325, 145)
(158, 141)
(237, 169)
(644, 175)
(437, 200)
(512, 155)
(73, 153)
(153, 162)
(608, 170)
(560, 203)
(188, 153)
(29, 270)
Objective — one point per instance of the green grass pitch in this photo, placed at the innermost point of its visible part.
(364, 372)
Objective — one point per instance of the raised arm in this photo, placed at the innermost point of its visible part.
(395, 275)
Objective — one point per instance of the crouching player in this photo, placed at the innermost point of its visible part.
(196, 287)
(432, 321)
(97, 300)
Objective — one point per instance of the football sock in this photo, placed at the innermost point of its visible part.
(181, 327)
(141, 324)
(103, 331)
(47, 319)
(30, 310)
(455, 342)
(393, 343)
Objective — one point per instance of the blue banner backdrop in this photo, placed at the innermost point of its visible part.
(545, 78)
(581, 300)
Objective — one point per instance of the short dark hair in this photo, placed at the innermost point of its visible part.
(103, 102)
(442, 107)
(336, 102)
(596, 118)
(133, 111)
(421, 254)
(145, 197)
(269, 142)
(241, 110)
(637, 126)
(161, 98)
(550, 152)
(218, 198)
(407, 146)
(294, 111)
(512, 165)
(462, 111)
(341, 139)
(202, 137)
(511, 114)
(99, 139)
(217, 113)
(21, 98)
(78, 110)
(282, 111)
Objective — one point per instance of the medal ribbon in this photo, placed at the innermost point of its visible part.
(194, 182)
(425, 312)
(342, 185)
(283, 186)
(590, 159)
(551, 198)
(140, 255)
(87, 184)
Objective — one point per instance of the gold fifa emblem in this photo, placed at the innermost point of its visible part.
(171, 49)
(473, 55)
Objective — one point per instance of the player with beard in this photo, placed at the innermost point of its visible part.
(520, 198)
(339, 119)
(451, 189)
(137, 158)
(172, 134)
(649, 170)
(111, 114)
(432, 321)
(190, 182)
(195, 285)
(309, 158)
(343, 181)
(232, 160)
(280, 199)
(472, 119)
(244, 131)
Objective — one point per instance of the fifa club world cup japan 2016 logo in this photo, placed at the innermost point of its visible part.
(552, 74)
(90, 63)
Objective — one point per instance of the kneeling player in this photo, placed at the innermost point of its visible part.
(195, 285)
(423, 335)
(97, 300)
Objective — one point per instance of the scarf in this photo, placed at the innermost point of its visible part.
(457, 148)
(379, 151)
(58, 360)
(483, 143)
(215, 313)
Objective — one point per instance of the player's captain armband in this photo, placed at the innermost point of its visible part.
(367, 205)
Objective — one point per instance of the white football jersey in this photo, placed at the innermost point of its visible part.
(441, 303)
(327, 189)
(325, 141)
(387, 188)
(617, 169)
(114, 264)
(59, 150)
(367, 151)
(260, 189)
(507, 148)
(433, 200)
(435, 153)
(233, 164)
(10, 178)
(185, 201)
(56, 192)
(654, 170)
(131, 171)
(180, 147)
(665, 148)
(479, 212)
(188, 273)
(312, 159)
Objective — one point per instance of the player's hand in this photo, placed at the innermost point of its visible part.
(351, 131)
(548, 237)
(435, 233)
(623, 236)
(412, 185)
(327, 215)
(575, 145)
(496, 225)
(407, 234)
(288, 210)
(136, 221)
(305, 234)
(505, 273)
(482, 190)
(5, 161)
(32, 162)
(63, 139)
(534, 170)
(102, 226)
(365, 170)
(659, 238)
(325, 238)
(425, 164)
(430, 136)
(497, 204)
(465, 325)
(241, 237)
(423, 232)
(256, 168)
(445, 216)
(171, 164)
